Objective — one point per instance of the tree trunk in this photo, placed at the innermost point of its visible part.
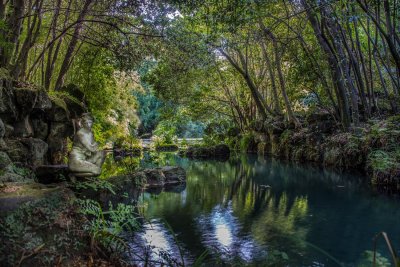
(335, 69)
(253, 89)
(72, 45)
(14, 23)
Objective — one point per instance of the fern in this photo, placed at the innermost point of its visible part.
(106, 227)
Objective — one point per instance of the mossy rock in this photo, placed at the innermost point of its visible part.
(167, 147)
(220, 151)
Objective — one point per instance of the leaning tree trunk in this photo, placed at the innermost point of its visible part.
(72, 45)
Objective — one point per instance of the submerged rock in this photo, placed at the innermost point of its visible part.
(154, 177)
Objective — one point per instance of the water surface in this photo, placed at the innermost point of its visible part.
(263, 212)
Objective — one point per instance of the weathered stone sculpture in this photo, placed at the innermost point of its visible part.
(85, 160)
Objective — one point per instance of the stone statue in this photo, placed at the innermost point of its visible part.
(85, 160)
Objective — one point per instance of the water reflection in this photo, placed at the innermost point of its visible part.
(155, 245)
(220, 233)
(250, 210)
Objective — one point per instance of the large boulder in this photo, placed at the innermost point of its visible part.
(28, 99)
(151, 178)
(8, 109)
(58, 114)
(154, 177)
(43, 101)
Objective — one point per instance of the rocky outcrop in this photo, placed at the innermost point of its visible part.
(33, 126)
(164, 176)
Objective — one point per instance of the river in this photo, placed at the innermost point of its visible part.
(257, 211)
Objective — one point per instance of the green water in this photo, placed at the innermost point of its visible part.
(263, 212)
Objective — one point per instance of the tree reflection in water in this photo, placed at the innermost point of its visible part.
(245, 210)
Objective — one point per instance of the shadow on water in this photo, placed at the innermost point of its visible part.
(253, 210)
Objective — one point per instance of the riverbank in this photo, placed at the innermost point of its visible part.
(371, 148)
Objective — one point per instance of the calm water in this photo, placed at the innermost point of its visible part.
(262, 212)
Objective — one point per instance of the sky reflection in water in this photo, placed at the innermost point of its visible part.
(220, 232)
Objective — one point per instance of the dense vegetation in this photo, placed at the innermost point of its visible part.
(236, 61)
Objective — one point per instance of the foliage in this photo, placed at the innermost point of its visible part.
(105, 227)
(114, 166)
(108, 93)
(94, 184)
(24, 172)
(368, 259)
(165, 133)
(48, 229)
